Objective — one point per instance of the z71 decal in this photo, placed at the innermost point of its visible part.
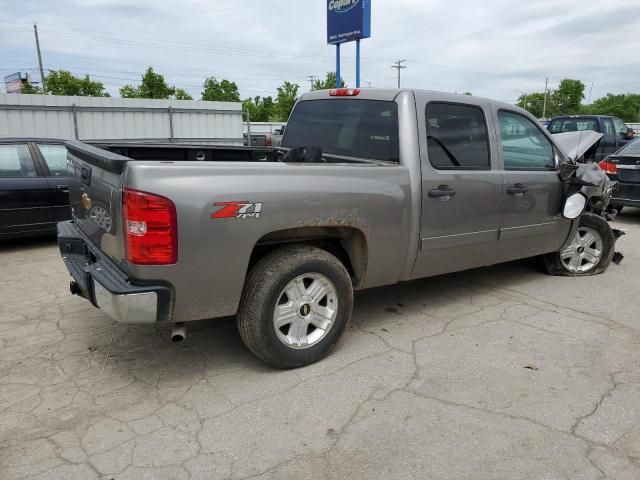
(238, 209)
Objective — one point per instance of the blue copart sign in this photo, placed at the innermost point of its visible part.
(348, 20)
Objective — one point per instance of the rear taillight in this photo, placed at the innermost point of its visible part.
(608, 166)
(344, 92)
(150, 228)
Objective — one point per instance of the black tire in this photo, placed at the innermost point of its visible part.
(263, 287)
(552, 262)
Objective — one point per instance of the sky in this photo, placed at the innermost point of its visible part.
(495, 48)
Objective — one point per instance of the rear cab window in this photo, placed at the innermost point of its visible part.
(457, 137)
(366, 129)
(577, 124)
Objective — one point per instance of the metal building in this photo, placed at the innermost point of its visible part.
(121, 119)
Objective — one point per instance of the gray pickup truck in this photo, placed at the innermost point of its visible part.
(370, 188)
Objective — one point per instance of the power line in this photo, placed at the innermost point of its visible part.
(398, 65)
(161, 43)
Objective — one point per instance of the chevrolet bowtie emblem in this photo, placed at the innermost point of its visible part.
(86, 201)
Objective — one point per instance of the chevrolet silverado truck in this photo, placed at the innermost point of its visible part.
(369, 188)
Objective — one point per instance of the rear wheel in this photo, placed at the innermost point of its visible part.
(589, 253)
(296, 303)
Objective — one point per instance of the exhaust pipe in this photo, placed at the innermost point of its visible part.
(179, 332)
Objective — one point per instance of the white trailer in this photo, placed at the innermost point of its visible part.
(121, 119)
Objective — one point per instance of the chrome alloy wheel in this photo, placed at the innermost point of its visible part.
(585, 251)
(305, 310)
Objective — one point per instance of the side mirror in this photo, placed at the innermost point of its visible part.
(574, 206)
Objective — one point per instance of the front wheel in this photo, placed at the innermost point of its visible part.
(296, 303)
(589, 253)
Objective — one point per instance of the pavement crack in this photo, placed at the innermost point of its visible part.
(593, 411)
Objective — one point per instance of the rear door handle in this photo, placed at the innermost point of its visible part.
(517, 189)
(442, 191)
(63, 188)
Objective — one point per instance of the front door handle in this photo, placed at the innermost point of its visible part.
(441, 192)
(517, 189)
(63, 188)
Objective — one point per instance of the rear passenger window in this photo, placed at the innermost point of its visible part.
(524, 146)
(457, 137)
(15, 161)
(55, 156)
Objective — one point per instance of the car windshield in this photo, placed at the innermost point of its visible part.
(573, 125)
(356, 128)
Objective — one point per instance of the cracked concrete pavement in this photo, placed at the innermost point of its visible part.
(496, 373)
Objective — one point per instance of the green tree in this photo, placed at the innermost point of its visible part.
(625, 106)
(566, 99)
(329, 82)
(261, 109)
(29, 88)
(535, 103)
(182, 94)
(220, 91)
(153, 86)
(63, 82)
(286, 99)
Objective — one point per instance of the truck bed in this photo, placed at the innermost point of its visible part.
(186, 153)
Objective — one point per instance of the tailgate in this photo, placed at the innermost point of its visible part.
(95, 193)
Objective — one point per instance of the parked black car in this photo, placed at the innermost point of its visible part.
(34, 194)
(624, 166)
(615, 132)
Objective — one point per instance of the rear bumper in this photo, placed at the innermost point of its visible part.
(626, 195)
(98, 279)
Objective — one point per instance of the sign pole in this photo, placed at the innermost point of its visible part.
(337, 65)
(358, 63)
(348, 21)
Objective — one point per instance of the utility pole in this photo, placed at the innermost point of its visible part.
(525, 98)
(312, 80)
(42, 80)
(544, 106)
(398, 65)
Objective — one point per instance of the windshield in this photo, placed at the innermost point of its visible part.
(356, 128)
(573, 125)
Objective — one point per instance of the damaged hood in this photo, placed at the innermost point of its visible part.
(575, 144)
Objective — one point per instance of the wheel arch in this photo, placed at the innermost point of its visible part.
(348, 244)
